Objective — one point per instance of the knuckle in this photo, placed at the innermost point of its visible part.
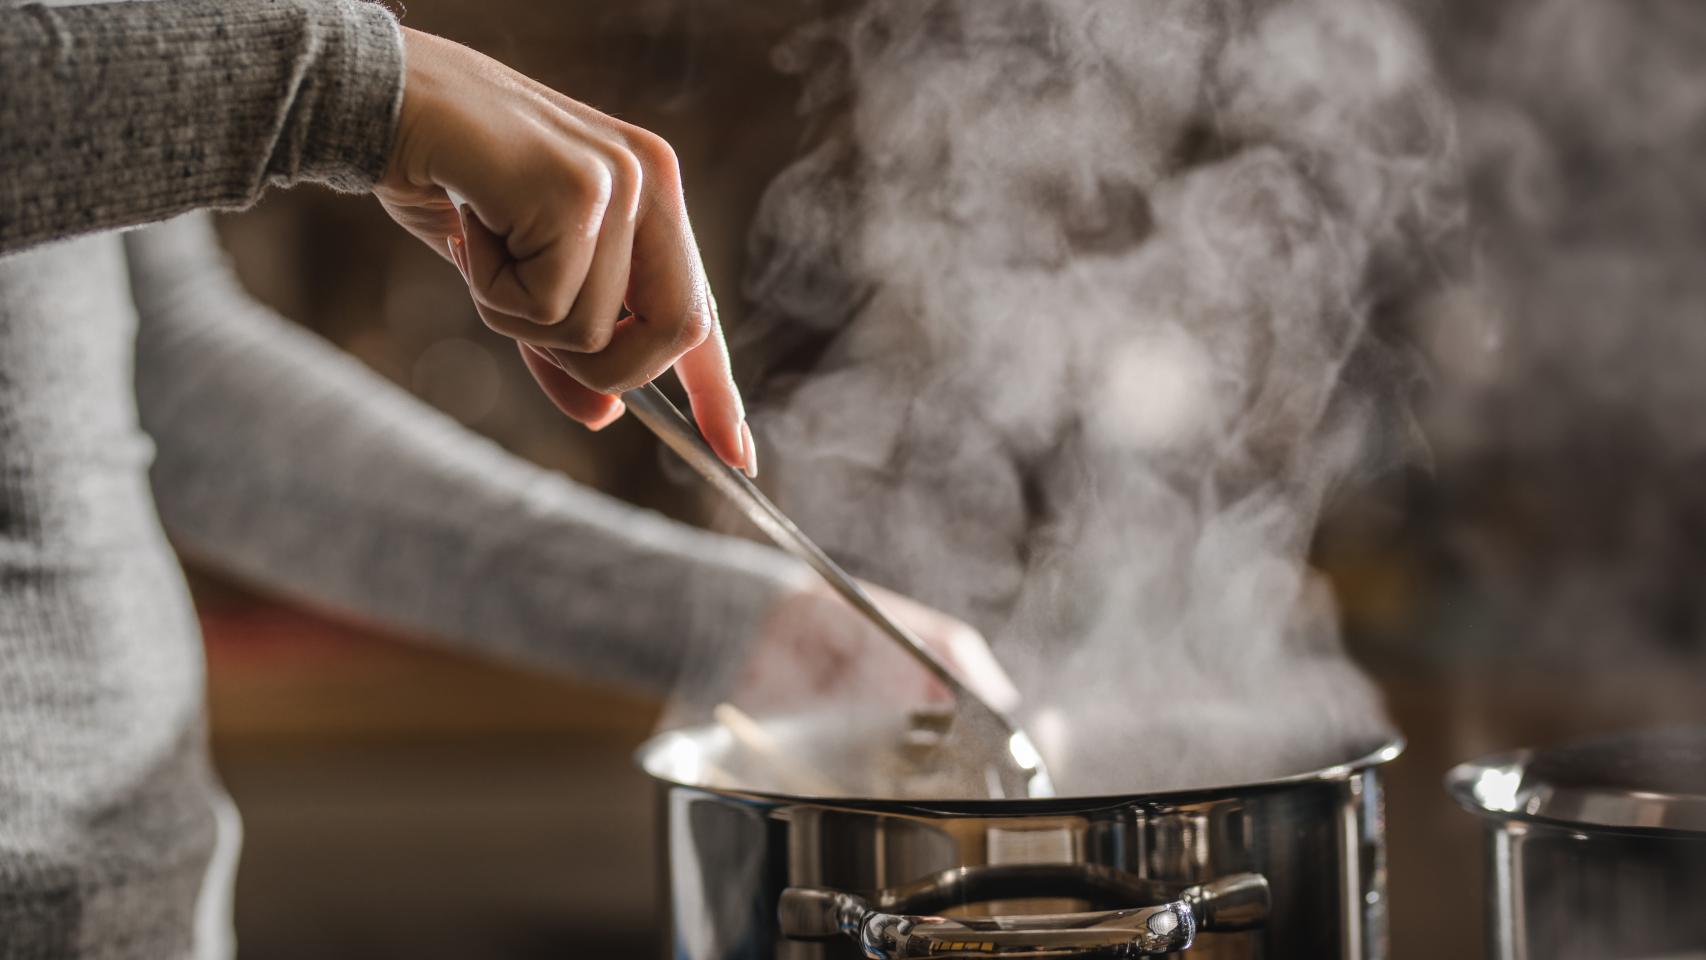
(550, 286)
(537, 306)
(522, 310)
(589, 182)
(558, 302)
(655, 153)
(627, 168)
(696, 326)
(497, 322)
(628, 178)
(585, 338)
(544, 311)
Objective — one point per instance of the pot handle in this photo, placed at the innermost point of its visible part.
(1236, 902)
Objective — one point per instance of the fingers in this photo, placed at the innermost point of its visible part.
(456, 248)
(673, 320)
(639, 350)
(529, 258)
(499, 282)
(428, 215)
(592, 320)
(567, 295)
(717, 407)
(665, 290)
(669, 292)
(591, 408)
(571, 216)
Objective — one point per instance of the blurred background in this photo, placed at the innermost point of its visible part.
(1534, 577)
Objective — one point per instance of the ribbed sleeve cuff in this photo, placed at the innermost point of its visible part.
(118, 114)
(348, 106)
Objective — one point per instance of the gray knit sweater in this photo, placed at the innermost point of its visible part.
(125, 355)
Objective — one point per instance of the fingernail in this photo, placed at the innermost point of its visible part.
(748, 450)
(458, 256)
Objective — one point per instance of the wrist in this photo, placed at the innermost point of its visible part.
(406, 166)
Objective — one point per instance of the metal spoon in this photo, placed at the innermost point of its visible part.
(1012, 765)
(980, 734)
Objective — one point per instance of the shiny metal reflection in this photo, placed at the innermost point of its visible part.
(1594, 849)
(1314, 843)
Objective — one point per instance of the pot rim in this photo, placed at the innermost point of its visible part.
(649, 758)
(1507, 787)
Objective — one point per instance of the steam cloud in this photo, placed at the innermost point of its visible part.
(1567, 414)
(1066, 317)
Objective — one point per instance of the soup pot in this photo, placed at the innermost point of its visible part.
(762, 861)
(1595, 849)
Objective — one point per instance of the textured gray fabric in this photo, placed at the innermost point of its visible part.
(270, 454)
(288, 462)
(116, 114)
(105, 825)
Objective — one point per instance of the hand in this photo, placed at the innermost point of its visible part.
(570, 216)
(814, 647)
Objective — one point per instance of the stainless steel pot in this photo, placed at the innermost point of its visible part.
(1594, 850)
(1292, 867)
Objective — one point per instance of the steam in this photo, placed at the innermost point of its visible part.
(1067, 315)
(1570, 359)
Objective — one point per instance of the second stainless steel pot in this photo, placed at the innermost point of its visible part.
(1595, 849)
(1293, 867)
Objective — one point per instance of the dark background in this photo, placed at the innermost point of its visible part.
(402, 802)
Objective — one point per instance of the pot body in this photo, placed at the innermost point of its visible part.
(1317, 841)
(1574, 892)
(1594, 849)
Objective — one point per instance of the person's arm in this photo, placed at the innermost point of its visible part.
(290, 464)
(118, 114)
(574, 233)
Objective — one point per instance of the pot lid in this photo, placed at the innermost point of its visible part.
(1647, 781)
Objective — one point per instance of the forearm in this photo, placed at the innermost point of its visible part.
(291, 465)
(118, 114)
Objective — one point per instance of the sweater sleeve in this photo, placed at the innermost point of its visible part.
(288, 463)
(118, 114)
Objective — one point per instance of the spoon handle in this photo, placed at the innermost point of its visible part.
(652, 408)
